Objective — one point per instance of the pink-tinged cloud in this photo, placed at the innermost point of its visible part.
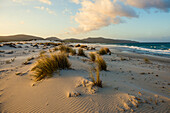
(147, 4)
(95, 14)
(100, 13)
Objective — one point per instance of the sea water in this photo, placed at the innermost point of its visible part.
(159, 49)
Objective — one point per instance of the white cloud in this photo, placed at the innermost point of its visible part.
(46, 1)
(100, 13)
(95, 14)
(47, 10)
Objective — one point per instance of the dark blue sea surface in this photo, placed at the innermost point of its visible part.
(159, 49)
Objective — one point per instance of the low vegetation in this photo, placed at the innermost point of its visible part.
(96, 82)
(81, 52)
(104, 51)
(101, 63)
(147, 61)
(92, 56)
(42, 53)
(47, 64)
(64, 48)
(67, 49)
(72, 51)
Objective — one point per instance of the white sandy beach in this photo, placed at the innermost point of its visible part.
(129, 84)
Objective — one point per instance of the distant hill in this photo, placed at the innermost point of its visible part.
(105, 40)
(73, 40)
(53, 38)
(20, 37)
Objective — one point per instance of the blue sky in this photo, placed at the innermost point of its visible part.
(118, 19)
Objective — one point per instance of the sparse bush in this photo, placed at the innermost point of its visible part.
(92, 56)
(64, 48)
(47, 64)
(55, 49)
(104, 51)
(42, 53)
(147, 61)
(72, 51)
(83, 46)
(78, 45)
(30, 58)
(81, 52)
(101, 63)
(98, 82)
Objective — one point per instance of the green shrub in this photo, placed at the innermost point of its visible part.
(81, 52)
(47, 64)
(101, 63)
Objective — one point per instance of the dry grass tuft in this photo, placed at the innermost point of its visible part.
(101, 63)
(42, 53)
(47, 64)
(81, 52)
(147, 61)
(104, 51)
(64, 48)
(98, 82)
(83, 46)
(92, 56)
(72, 51)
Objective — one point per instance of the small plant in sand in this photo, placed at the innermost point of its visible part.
(47, 64)
(83, 46)
(92, 56)
(64, 48)
(81, 52)
(42, 53)
(55, 49)
(104, 51)
(101, 63)
(147, 61)
(96, 82)
(72, 51)
(30, 58)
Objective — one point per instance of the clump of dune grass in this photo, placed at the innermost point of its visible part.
(64, 48)
(147, 61)
(104, 51)
(101, 63)
(72, 51)
(83, 46)
(96, 82)
(55, 49)
(30, 58)
(81, 52)
(42, 53)
(92, 56)
(47, 64)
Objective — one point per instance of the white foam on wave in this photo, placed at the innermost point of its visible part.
(142, 50)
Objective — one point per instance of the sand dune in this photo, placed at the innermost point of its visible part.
(129, 84)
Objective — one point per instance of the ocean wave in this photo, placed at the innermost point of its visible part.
(142, 50)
